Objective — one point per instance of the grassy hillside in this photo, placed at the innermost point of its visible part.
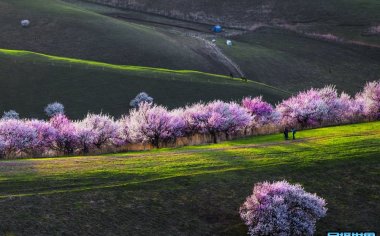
(295, 62)
(64, 29)
(276, 57)
(29, 81)
(348, 18)
(280, 57)
(192, 190)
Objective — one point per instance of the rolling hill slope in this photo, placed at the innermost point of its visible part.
(29, 81)
(348, 18)
(64, 29)
(192, 190)
(271, 55)
(294, 62)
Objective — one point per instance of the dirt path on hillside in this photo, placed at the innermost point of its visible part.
(198, 31)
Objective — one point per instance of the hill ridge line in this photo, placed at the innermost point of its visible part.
(15, 52)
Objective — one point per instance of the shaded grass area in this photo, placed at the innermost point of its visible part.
(192, 190)
(30, 80)
(294, 62)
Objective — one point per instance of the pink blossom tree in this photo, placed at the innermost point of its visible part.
(152, 124)
(262, 112)
(100, 129)
(214, 118)
(370, 97)
(281, 208)
(17, 137)
(222, 117)
(66, 139)
(315, 107)
(195, 118)
(352, 110)
(85, 137)
(45, 136)
(226, 117)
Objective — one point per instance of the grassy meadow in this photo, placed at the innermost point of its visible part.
(192, 190)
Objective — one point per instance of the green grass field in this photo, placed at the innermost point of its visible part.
(192, 190)
(294, 62)
(29, 81)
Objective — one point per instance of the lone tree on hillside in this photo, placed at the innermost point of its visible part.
(281, 208)
(140, 98)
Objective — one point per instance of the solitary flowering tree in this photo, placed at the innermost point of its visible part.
(152, 124)
(141, 98)
(12, 114)
(262, 112)
(281, 208)
(53, 109)
(370, 97)
(66, 139)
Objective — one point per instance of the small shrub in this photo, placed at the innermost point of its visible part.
(53, 109)
(281, 208)
(140, 98)
(10, 115)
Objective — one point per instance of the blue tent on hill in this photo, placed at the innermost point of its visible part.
(217, 28)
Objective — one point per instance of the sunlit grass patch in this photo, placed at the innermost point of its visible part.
(339, 163)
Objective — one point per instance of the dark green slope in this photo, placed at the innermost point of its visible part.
(64, 29)
(29, 81)
(295, 62)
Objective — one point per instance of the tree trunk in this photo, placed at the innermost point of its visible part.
(215, 139)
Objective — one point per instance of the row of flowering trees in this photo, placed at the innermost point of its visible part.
(154, 124)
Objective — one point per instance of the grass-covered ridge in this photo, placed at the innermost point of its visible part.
(35, 57)
(193, 189)
(31, 80)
